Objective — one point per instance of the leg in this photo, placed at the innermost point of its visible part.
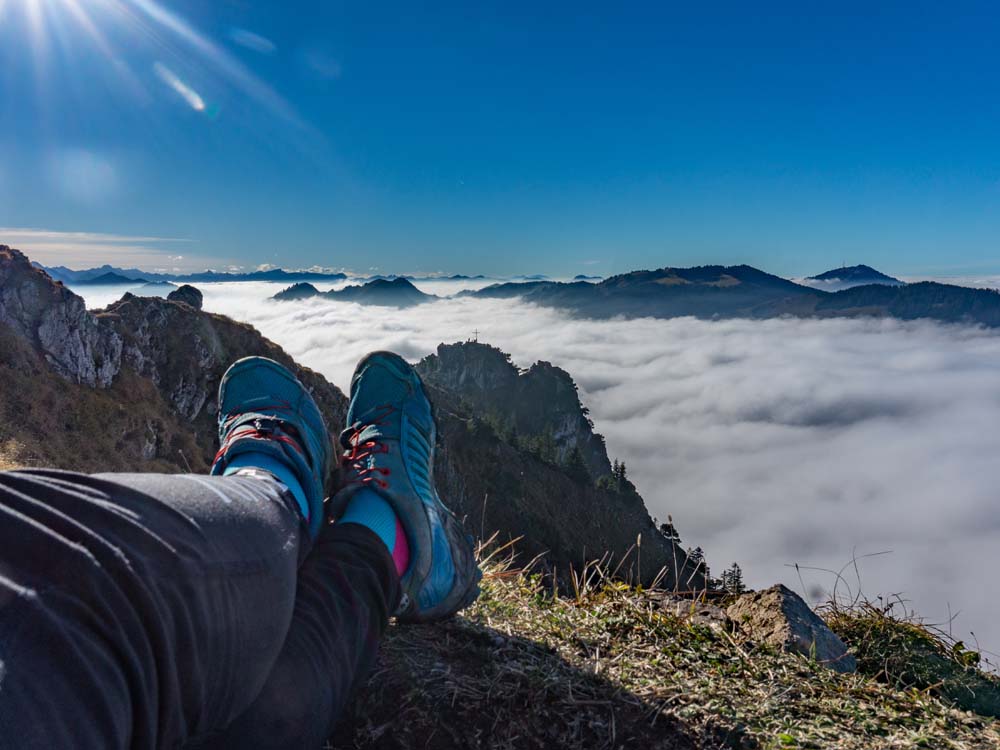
(139, 610)
(348, 587)
(155, 607)
(360, 565)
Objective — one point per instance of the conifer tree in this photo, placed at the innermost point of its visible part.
(576, 467)
(732, 579)
(669, 531)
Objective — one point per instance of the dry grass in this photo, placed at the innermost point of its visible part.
(895, 646)
(47, 421)
(10, 455)
(606, 667)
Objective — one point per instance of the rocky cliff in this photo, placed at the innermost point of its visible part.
(56, 322)
(541, 401)
(128, 387)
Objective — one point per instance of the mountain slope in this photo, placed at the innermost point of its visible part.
(743, 292)
(607, 666)
(926, 299)
(849, 276)
(704, 291)
(112, 279)
(74, 277)
(127, 387)
(397, 292)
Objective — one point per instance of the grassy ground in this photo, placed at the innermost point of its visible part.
(9, 453)
(605, 667)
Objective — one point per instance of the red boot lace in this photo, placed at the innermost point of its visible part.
(356, 459)
(257, 429)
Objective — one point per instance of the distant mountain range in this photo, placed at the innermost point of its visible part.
(398, 292)
(703, 292)
(850, 276)
(745, 292)
(393, 277)
(107, 275)
(111, 278)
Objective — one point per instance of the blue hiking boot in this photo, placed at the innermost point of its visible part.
(263, 408)
(389, 448)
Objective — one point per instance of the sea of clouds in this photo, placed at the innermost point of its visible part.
(771, 443)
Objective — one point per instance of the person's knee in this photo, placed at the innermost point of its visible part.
(291, 711)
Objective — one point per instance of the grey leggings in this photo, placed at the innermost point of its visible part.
(160, 611)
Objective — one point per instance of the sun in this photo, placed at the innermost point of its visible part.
(151, 46)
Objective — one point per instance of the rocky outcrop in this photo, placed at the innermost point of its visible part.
(541, 401)
(496, 486)
(398, 292)
(56, 321)
(187, 294)
(161, 361)
(185, 352)
(779, 617)
(302, 290)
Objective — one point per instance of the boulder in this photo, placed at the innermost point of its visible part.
(187, 294)
(779, 617)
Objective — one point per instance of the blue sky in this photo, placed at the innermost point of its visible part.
(502, 138)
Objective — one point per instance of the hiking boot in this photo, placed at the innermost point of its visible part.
(263, 408)
(389, 449)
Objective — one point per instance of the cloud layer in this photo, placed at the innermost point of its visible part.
(770, 442)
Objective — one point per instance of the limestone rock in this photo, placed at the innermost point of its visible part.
(56, 321)
(541, 399)
(187, 294)
(779, 617)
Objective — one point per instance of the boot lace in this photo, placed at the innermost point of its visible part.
(357, 459)
(265, 427)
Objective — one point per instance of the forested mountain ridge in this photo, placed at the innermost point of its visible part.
(745, 292)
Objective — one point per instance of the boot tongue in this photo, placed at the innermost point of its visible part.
(268, 426)
(376, 432)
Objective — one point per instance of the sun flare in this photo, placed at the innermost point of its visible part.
(155, 52)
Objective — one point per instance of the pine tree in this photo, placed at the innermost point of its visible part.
(621, 478)
(547, 446)
(576, 467)
(669, 531)
(732, 579)
(697, 558)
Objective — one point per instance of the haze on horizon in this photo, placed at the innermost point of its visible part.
(501, 139)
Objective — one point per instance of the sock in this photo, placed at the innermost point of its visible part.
(368, 508)
(281, 471)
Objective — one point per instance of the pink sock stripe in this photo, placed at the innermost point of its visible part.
(401, 550)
